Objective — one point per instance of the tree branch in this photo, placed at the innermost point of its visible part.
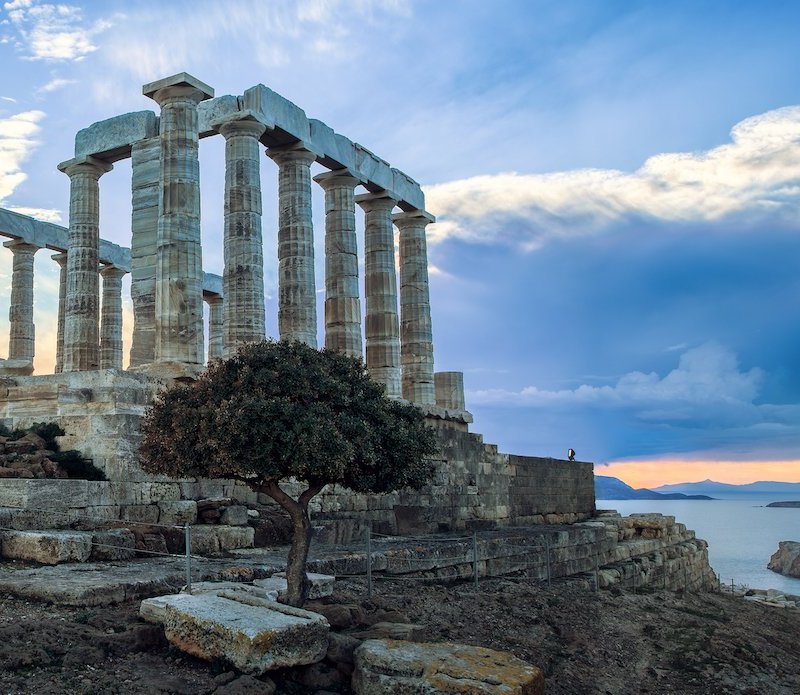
(308, 493)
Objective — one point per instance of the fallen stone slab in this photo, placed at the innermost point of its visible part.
(47, 547)
(387, 667)
(219, 587)
(113, 544)
(255, 635)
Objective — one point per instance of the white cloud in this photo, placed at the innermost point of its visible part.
(706, 387)
(43, 214)
(17, 140)
(54, 84)
(756, 176)
(53, 32)
(11, 99)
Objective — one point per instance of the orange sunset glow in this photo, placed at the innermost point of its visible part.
(651, 474)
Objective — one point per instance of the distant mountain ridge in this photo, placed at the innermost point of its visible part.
(711, 487)
(607, 487)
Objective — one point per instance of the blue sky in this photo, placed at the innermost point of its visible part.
(616, 263)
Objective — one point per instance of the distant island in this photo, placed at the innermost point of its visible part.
(609, 488)
(761, 488)
(791, 503)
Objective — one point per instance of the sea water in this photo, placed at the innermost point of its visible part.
(742, 534)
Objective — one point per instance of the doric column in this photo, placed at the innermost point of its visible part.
(82, 306)
(21, 335)
(297, 300)
(416, 335)
(380, 282)
(243, 275)
(111, 318)
(145, 167)
(215, 341)
(61, 259)
(179, 263)
(342, 303)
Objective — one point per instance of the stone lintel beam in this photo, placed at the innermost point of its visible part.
(342, 303)
(333, 150)
(112, 139)
(181, 80)
(215, 109)
(244, 116)
(382, 325)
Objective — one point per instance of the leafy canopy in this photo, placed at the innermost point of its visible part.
(279, 410)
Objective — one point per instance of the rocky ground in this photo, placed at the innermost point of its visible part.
(611, 642)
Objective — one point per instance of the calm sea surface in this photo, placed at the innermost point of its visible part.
(741, 534)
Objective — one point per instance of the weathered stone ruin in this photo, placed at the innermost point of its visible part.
(100, 405)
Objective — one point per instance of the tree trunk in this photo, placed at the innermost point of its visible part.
(296, 579)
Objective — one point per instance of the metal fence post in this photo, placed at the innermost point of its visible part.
(475, 557)
(547, 557)
(369, 563)
(187, 537)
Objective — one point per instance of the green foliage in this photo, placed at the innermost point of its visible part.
(279, 410)
(13, 435)
(77, 466)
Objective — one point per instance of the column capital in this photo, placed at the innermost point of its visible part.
(247, 122)
(413, 217)
(112, 272)
(85, 165)
(376, 201)
(212, 299)
(182, 86)
(60, 258)
(21, 246)
(338, 178)
(296, 152)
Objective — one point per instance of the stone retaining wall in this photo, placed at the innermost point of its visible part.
(475, 486)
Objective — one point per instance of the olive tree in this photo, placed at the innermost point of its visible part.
(278, 411)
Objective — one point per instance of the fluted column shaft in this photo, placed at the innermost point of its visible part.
(61, 259)
(179, 263)
(21, 335)
(380, 282)
(111, 319)
(342, 302)
(243, 274)
(215, 340)
(297, 301)
(145, 168)
(82, 306)
(416, 333)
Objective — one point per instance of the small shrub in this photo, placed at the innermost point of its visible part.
(76, 466)
(48, 431)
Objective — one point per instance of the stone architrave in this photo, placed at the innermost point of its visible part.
(111, 318)
(214, 302)
(145, 167)
(179, 263)
(416, 333)
(342, 302)
(61, 259)
(297, 301)
(243, 275)
(21, 334)
(382, 327)
(82, 306)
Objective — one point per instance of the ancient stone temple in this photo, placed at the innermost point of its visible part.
(99, 404)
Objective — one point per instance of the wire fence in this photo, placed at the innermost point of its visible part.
(480, 555)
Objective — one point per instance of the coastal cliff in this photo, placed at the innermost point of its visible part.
(786, 559)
